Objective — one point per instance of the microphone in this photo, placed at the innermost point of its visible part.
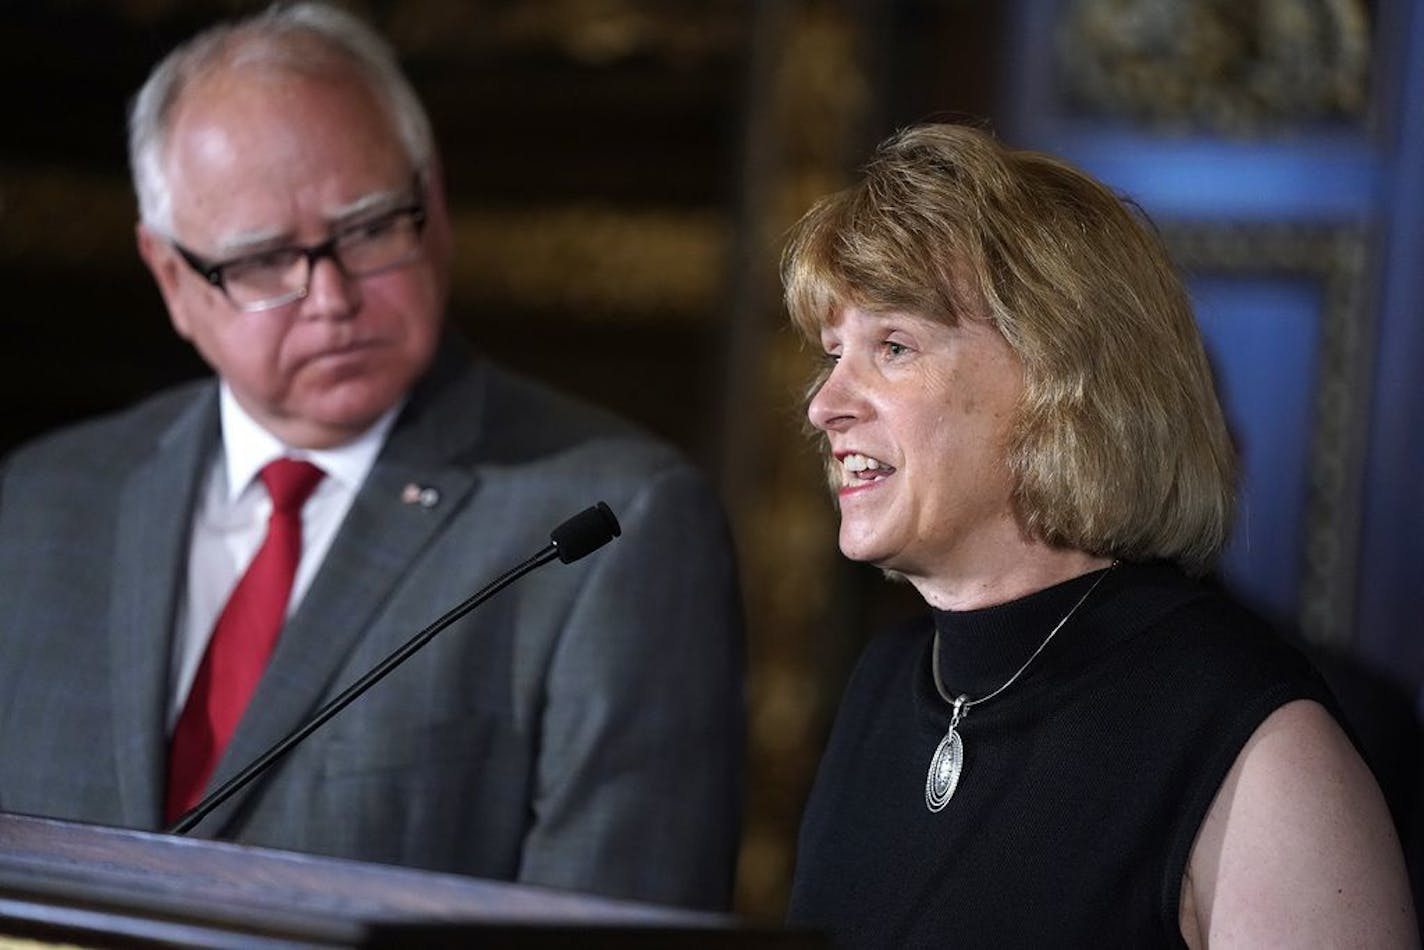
(577, 537)
(584, 533)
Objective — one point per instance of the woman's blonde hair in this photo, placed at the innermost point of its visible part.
(1119, 447)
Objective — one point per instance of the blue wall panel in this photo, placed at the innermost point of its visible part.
(1321, 355)
(1390, 627)
(1262, 337)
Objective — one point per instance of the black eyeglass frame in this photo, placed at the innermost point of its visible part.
(212, 271)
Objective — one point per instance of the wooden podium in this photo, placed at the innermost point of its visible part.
(88, 885)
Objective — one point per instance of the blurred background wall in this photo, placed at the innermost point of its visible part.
(622, 171)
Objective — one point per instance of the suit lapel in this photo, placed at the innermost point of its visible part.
(154, 517)
(377, 546)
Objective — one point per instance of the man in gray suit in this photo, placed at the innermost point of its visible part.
(583, 730)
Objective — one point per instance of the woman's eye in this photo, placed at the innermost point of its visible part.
(895, 349)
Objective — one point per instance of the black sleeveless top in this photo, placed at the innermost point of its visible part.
(1083, 783)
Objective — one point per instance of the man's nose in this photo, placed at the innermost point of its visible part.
(331, 294)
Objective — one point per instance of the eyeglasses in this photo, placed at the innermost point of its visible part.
(269, 279)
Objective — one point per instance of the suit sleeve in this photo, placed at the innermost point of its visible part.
(639, 777)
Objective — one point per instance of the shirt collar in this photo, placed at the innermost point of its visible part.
(247, 447)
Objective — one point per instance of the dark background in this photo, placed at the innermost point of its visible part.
(621, 173)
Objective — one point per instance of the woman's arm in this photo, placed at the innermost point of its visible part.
(1298, 848)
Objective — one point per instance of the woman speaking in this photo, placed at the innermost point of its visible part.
(1083, 744)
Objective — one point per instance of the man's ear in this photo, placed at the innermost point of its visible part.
(167, 271)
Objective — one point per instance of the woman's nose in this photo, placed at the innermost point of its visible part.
(836, 402)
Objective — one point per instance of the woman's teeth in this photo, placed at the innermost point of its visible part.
(856, 465)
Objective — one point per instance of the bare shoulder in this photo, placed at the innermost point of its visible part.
(1298, 848)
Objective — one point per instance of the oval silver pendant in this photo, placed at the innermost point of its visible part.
(945, 766)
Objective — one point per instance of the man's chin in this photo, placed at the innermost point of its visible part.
(336, 422)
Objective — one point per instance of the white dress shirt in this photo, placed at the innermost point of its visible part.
(230, 521)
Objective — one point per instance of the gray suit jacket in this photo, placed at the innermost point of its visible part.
(584, 729)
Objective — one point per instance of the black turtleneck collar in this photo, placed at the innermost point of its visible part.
(980, 649)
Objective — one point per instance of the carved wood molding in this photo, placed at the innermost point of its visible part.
(1238, 67)
(1335, 258)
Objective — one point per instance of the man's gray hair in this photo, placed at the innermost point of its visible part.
(310, 38)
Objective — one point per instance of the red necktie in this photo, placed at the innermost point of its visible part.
(242, 641)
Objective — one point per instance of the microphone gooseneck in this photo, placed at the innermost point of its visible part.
(577, 537)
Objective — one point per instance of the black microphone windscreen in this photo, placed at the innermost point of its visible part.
(585, 532)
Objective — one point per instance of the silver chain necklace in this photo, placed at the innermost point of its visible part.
(948, 759)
